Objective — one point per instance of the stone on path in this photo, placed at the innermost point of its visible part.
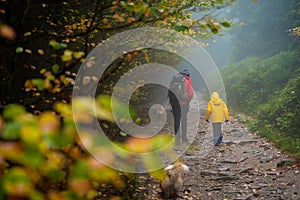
(285, 161)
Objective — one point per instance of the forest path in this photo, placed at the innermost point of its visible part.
(244, 166)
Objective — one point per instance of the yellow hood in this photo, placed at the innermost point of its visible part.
(215, 98)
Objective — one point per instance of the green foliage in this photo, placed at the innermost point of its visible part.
(254, 81)
(12, 131)
(290, 144)
(268, 90)
(19, 49)
(180, 28)
(12, 111)
(57, 45)
(283, 112)
(265, 28)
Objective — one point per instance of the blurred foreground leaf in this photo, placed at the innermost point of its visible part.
(11, 131)
(13, 111)
(17, 183)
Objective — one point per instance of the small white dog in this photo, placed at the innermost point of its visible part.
(173, 181)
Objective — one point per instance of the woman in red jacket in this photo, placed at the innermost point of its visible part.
(180, 103)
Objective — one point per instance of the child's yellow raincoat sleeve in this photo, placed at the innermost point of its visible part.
(208, 111)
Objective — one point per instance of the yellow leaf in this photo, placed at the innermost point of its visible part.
(147, 58)
(52, 43)
(49, 122)
(27, 34)
(28, 51)
(159, 174)
(67, 55)
(31, 134)
(43, 71)
(28, 85)
(78, 54)
(64, 109)
(55, 160)
(138, 145)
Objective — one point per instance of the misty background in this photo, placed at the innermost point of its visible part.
(259, 28)
(258, 58)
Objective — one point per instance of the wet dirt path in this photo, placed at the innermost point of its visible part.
(245, 166)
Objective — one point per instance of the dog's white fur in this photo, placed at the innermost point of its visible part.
(173, 181)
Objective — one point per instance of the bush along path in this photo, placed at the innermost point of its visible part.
(244, 166)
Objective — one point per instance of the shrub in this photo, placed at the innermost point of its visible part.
(42, 157)
(283, 112)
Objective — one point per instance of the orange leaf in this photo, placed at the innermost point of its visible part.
(104, 20)
(41, 51)
(138, 145)
(81, 187)
(7, 32)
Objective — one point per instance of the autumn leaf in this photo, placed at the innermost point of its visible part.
(64, 109)
(48, 122)
(27, 34)
(78, 54)
(57, 45)
(30, 134)
(7, 32)
(67, 56)
(13, 111)
(41, 51)
(28, 51)
(104, 20)
(158, 174)
(138, 145)
(11, 150)
(80, 186)
(16, 182)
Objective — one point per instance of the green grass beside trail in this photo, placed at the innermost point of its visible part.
(268, 90)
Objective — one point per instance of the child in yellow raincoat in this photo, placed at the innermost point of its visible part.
(219, 112)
